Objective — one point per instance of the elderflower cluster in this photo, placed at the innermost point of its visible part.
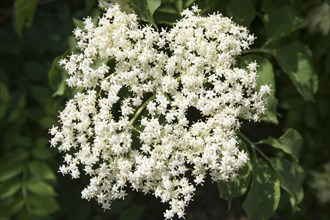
(131, 128)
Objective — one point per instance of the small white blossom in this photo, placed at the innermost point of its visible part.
(150, 91)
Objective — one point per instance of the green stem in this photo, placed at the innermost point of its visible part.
(168, 97)
(137, 130)
(259, 50)
(143, 106)
(253, 146)
(264, 155)
(246, 139)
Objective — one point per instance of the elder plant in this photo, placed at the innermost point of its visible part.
(129, 127)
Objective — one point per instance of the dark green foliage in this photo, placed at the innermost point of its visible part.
(24, 14)
(295, 60)
(291, 176)
(242, 12)
(264, 194)
(281, 23)
(292, 140)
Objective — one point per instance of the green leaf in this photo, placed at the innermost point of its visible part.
(167, 15)
(23, 14)
(242, 12)
(40, 188)
(145, 9)
(188, 3)
(264, 194)
(99, 62)
(179, 5)
(8, 171)
(42, 206)
(291, 176)
(57, 76)
(290, 142)
(4, 99)
(168, 9)
(72, 42)
(281, 23)
(237, 187)
(78, 23)
(41, 170)
(295, 61)
(293, 140)
(265, 77)
(12, 208)
(319, 182)
(153, 5)
(9, 189)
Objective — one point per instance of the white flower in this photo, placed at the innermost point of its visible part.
(131, 126)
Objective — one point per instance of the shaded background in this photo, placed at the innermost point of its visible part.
(34, 33)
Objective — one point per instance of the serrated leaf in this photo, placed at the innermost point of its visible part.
(237, 187)
(23, 14)
(295, 61)
(40, 188)
(41, 170)
(281, 23)
(265, 77)
(9, 189)
(290, 142)
(242, 12)
(264, 194)
(12, 208)
(291, 176)
(8, 171)
(42, 206)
